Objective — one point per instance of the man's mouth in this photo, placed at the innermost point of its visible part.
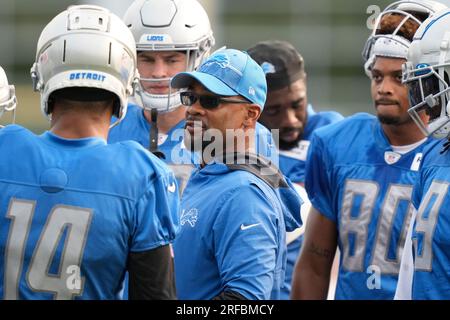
(289, 134)
(386, 103)
(158, 89)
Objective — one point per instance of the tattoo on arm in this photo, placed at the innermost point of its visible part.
(321, 252)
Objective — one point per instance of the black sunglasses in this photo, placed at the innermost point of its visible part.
(188, 98)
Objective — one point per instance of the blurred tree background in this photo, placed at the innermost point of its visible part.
(330, 34)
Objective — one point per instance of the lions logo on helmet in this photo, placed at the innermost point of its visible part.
(8, 99)
(183, 25)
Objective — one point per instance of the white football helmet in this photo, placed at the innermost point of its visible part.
(169, 25)
(395, 45)
(86, 46)
(426, 74)
(8, 101)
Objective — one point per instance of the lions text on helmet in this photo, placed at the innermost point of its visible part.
(176, 39)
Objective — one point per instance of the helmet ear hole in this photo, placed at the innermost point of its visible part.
(50, 104)
(116, 107)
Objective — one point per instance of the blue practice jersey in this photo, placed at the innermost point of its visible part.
(234, 240)
(136, 127)
(431, 236)
(71, 211)
(292, 165)
(354, 178)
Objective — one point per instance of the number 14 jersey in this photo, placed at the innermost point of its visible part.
(71, 211)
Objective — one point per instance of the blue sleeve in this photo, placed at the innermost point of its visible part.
(318, 181)
(246, 242)
(156, 220)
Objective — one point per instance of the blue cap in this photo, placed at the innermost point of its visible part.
(228, 72)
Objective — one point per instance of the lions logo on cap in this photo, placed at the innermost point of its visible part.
(220, 59)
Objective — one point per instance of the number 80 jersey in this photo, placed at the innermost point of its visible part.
(354, 178)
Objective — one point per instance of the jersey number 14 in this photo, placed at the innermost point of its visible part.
(73, 219)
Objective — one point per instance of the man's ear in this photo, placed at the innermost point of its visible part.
(252, 116)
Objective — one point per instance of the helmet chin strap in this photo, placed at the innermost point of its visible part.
(156, 103)
(153, 147)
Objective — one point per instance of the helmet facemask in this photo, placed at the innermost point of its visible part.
(394, 36)
(171, 101)
(162, 102)
(429, 95)
(411, 13)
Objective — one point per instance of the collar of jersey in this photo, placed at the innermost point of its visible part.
(380, 137)
(72, 143)
(383, 142)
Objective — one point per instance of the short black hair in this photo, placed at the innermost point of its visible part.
(84, 94)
